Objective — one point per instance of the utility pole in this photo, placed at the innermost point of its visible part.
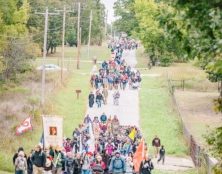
(78, 36)
(63, 38)
(46, 14)
(106, 20)
(63, 41)
(111, 30)
(90, 29)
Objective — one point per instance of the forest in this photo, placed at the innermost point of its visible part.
(22, 30)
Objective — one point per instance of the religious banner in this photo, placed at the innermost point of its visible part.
(53, 130)
(24, 126)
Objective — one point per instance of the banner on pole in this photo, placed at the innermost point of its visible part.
(139, 155)
(53, 130)
(24, 126)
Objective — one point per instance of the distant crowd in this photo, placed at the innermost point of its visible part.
(99, 145)
(114, 74)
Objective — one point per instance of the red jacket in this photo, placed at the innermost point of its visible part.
(103, 165)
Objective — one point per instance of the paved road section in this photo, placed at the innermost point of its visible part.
(128, 109)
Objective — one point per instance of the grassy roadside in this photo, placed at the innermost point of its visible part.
(142, 58)
(158, 117)
(193, 171)
(62, 101)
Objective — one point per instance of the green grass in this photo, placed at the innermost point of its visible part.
(193, 171)
(142, 58)
(158, 117)
(3, 172)
(101, 53)
(61, 102)
(67, 105)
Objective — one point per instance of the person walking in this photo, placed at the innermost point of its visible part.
(59, 161)
(48, 164)
(162, 153)
(77, 164)
(91, 99)
(146, 166)
(29, 163)
(116, 97)
(98, 166)
(105, 94)
(38, 159)
(69, 163)
(129, 165)
(16, 154)
(20, 163)
(117, 164)
(99, 98)
(156, 144)
(86, 166)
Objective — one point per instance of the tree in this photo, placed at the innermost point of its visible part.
(71, 38)
(14, 16)
(155, 22)
(98, 22)
(214, 139)
(16, 59)
(126, 20)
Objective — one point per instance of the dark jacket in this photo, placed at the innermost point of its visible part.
(99, 97)
(30, 166)
(77, 165)
(162, 152)
(156, 142)
(38, 159)
(146, 167)
(91, 97)
(69, 165)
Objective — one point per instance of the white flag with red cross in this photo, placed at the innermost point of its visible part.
(24, 126)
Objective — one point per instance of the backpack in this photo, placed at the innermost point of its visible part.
(21, 163)
(97, 168)
(103, 118)
(118, 163)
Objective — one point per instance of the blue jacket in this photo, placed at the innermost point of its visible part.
(114, 169)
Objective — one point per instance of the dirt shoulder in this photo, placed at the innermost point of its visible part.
(196, 109)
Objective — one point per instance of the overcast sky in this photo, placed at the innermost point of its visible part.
(109, 6)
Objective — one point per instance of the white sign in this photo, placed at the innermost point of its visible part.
(53, 130)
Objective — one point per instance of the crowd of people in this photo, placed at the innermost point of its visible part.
(114, 74)
(124, 43)
(99, 145)
(109, 150)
